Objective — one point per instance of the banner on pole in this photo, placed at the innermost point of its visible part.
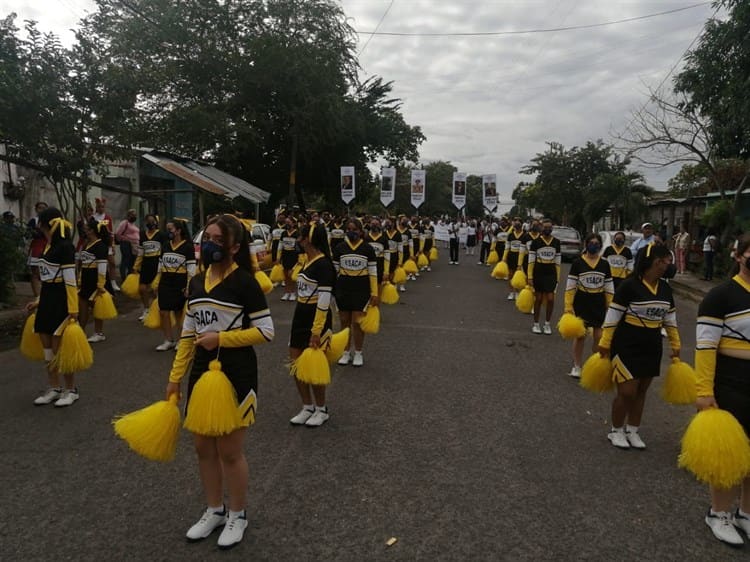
(347, 184)
(418, 188)
(459, 190)
(387, 185)
(489, 191)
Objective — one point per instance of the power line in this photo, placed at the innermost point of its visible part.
(525, 31)
(388, 9)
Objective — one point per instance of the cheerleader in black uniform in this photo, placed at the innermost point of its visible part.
(587, 295)
(722, 363)
(276, 235)
(417, 240)
(312, 318)
(406, 244)
(176, 268)
(336, 232)
(428, 239)
(289, 257)
(533, 234)
(93, 259)
(515, 248)
(642, 305)
(501, 237)
(148, 259)
(376, 239)
(394, 248)
(620, 259)
(544, 274)
(356, 286)
(227, 316)
(58, 302)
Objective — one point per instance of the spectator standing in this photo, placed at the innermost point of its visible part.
(36, 249)
(710, 245)
(471, 237)
(453, 242)
(681, 247)
(127, 236)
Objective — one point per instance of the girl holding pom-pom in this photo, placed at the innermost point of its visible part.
(642, 305)
(58, 302)
(722, 364)
(515, 248)
(312, 318)
(94, 265)
(227, 317)
(148, 259)
(544, 274)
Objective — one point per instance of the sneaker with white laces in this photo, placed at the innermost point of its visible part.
(48, 397)
(345, 359)
(721, 525)
(358, 360)
(233, 531)
(547, 329)
(618, 439)
(318, 418)
(68, 397)
(536, 329)
(207, 524)
(303, 415)
(575, 372)
(166, 345)
(510, 296)
(96, 338)
(634, 439)
(742, 521)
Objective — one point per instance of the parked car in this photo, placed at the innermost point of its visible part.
(571, 245)
(609, 235)
(260, 238)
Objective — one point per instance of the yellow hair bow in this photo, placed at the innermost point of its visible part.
(59, 223)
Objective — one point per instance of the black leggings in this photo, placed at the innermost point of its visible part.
(484, 251)
(454, 249)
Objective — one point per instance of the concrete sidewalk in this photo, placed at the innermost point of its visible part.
(692, 287)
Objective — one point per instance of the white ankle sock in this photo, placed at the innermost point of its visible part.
(631, 428)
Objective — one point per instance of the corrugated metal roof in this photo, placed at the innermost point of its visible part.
(234, 184)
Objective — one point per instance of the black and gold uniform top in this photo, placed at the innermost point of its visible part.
(406, 244)
(356, 266)
(620, 261)
(416, 239)
(177, 264)
(640, 305)
(58, 265)
(289, 240)
(93, 259)
(515, 243)
(544, 257)
(501, 238)
(723, 329)
(336, 233)
(235, 307)
(587, 278)
(377, 241)
(276, 235)
(314, 286)
(150, 247)
(394, 246)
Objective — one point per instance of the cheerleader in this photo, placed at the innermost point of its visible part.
(94, 269)
(176, 268)
(406, 244)
(227, 316)
(722, 363)
(276, 235)
(395, 249)
(415, 235)
(312, 318)
(336, 232)
(587, 295)
(620, 259)
(544, 274)
(147, 262)
(289, 257)
(356, 287)
(501, 236)
(533, 234)
(427, 233)
(515, 248)
(58, 302)
(631, 335)
(377, 240)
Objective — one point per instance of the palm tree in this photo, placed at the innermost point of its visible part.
(632, 199)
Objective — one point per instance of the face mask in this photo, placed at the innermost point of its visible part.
(352, 235)
(131, 219)
(152, 226)
(517, 226)
(289, 227)
(170, 235)
(619, 242)
(535, 229)
(374, 229)
(671, 271)
(547, 231)
(593, 248)
(211, 252)
(388, 226)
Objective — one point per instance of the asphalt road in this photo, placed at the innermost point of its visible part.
(461, 437)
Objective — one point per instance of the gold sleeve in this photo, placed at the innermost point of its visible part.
(185, 353)
(674, 337)
(242, 338)
(705, 370)
(319, 322)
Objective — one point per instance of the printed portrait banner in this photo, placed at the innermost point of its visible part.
(387, 185)
(347, 184)
(489, 191)
(459, 190)
(418, 187)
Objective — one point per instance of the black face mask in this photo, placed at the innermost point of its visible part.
(670, 272)
(352, 235)
(535, 229)
(152, 226)
(374, 229)
(131, 219)
(619, 242)
(170, 235)
(547, 231)
(211, 252)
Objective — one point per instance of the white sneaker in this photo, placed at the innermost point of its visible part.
(402, 288)
(233, 531)
(429, 268)
(575, 372)
(142, 316)
(115, 286)
(302, 417)
(742, 521)
(292, 296)
(618, 439)
(547, 329)
(48, 397)
(345, 359)
(166, 345)
(67, 398)
(536, 329)
(722, 527)
(96, 338)
(285, 297)
(358, 359)
(207, 524)
(635, 440)
(510, 296)
(318, 418)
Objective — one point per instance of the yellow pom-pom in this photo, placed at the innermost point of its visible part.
(410, 267)
(277, 273)
(75, 353)
(152, 432)
(389, 294)
(500, 271)
(571, 327)
(153, 317)
(434, 254)
(337, 343)
(716, 449)
(422, 261)
(399, 276)
(130, 285)
(265, 283)
(31, 344)
(312, 367)
(680, 383)
(518, 281)
(370, 320)
(525, 300)
(213, 408)
(155, 282)
(295, 271)
(596, 374)
(104, 307)
(493, 257)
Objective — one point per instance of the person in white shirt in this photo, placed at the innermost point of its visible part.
(471, 238)
(647, 229)
(710, 244)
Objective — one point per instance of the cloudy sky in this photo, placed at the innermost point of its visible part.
(488, 103)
